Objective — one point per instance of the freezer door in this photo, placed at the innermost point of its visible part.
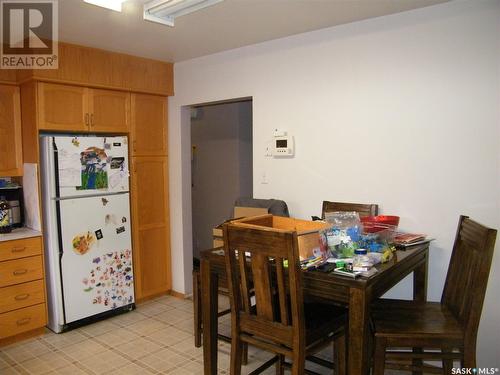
(91, 165)
(96, 264)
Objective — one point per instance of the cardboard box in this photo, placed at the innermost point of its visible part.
(249, 211)
(307, 231)
(239, 212)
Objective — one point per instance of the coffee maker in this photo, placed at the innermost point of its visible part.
(14, 197)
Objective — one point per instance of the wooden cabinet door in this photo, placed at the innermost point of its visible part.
(62, 107)
(11, 153)
(151, 226)
(109, 111)
(149, 125)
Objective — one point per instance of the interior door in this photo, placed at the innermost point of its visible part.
(109, 111)
(96, 264)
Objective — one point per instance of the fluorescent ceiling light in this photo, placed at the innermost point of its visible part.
(165, 11)
(109, 4)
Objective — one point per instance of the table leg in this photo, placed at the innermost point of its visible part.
(209, 286)
(358, 356)
(420, 294)
(420, 280)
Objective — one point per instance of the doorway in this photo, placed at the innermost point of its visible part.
(221, 165)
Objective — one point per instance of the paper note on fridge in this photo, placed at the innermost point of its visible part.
(117, 178)
(70, 167)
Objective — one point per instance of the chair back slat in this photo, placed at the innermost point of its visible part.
(254, 265)
(468, 272)
(245, 297)
(262, 285)
(362, 209)
(280, 277)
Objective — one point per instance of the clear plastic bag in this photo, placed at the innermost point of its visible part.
(341, 239)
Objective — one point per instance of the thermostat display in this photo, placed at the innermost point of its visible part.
(283, 146)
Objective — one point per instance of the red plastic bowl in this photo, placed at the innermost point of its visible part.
(382, 219)
(375, 224)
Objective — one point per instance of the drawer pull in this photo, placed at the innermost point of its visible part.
(24, 321)
(18, 249)
(21, 297)
(20, 272)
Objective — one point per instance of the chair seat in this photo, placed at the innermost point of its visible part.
(321, 318)
(407, 319)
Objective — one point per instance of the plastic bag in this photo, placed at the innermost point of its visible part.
(341, 239)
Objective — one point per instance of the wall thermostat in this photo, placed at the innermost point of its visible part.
(283, 146)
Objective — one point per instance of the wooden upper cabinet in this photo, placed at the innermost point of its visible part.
(109, 111)
(62, 107)
(11, 161)
(149, 125)
(82, 109)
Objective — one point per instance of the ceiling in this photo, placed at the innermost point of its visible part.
(226, 25)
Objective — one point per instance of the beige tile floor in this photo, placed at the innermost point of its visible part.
(156, 338)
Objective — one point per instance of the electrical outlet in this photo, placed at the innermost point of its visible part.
(269, 149)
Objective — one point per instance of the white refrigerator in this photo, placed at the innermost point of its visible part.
(87, 232)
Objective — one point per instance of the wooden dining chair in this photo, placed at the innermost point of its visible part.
(197, 316)
(275, 317)
(360, 208)
(450, 325)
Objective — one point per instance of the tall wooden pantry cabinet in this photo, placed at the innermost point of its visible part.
(150, 194)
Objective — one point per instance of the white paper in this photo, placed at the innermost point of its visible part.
(114, 180)
(31, 202)
(118, 178)
(70, 173)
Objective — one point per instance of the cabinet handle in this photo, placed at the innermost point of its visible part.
(134, 145)
(24, 321)
(91, 119)
(86, 119)
(20, 272)
(18, 249)
(21, 297)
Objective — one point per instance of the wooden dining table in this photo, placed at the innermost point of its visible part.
(356, 294)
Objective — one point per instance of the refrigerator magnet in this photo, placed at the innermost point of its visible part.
(120, 230)
(98, 234)
(117, 163)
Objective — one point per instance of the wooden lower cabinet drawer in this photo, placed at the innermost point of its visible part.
(22, 248)
(22, 295)
(22, 320)
(21, 270)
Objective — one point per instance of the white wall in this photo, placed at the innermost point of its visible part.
(221, 166)
(401, 110)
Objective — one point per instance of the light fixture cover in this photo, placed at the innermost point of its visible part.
(165, 11)
(115, 5)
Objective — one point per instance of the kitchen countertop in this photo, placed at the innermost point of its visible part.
(19, 233)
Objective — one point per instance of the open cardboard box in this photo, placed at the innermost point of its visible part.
(239, 212)
(307, 231)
